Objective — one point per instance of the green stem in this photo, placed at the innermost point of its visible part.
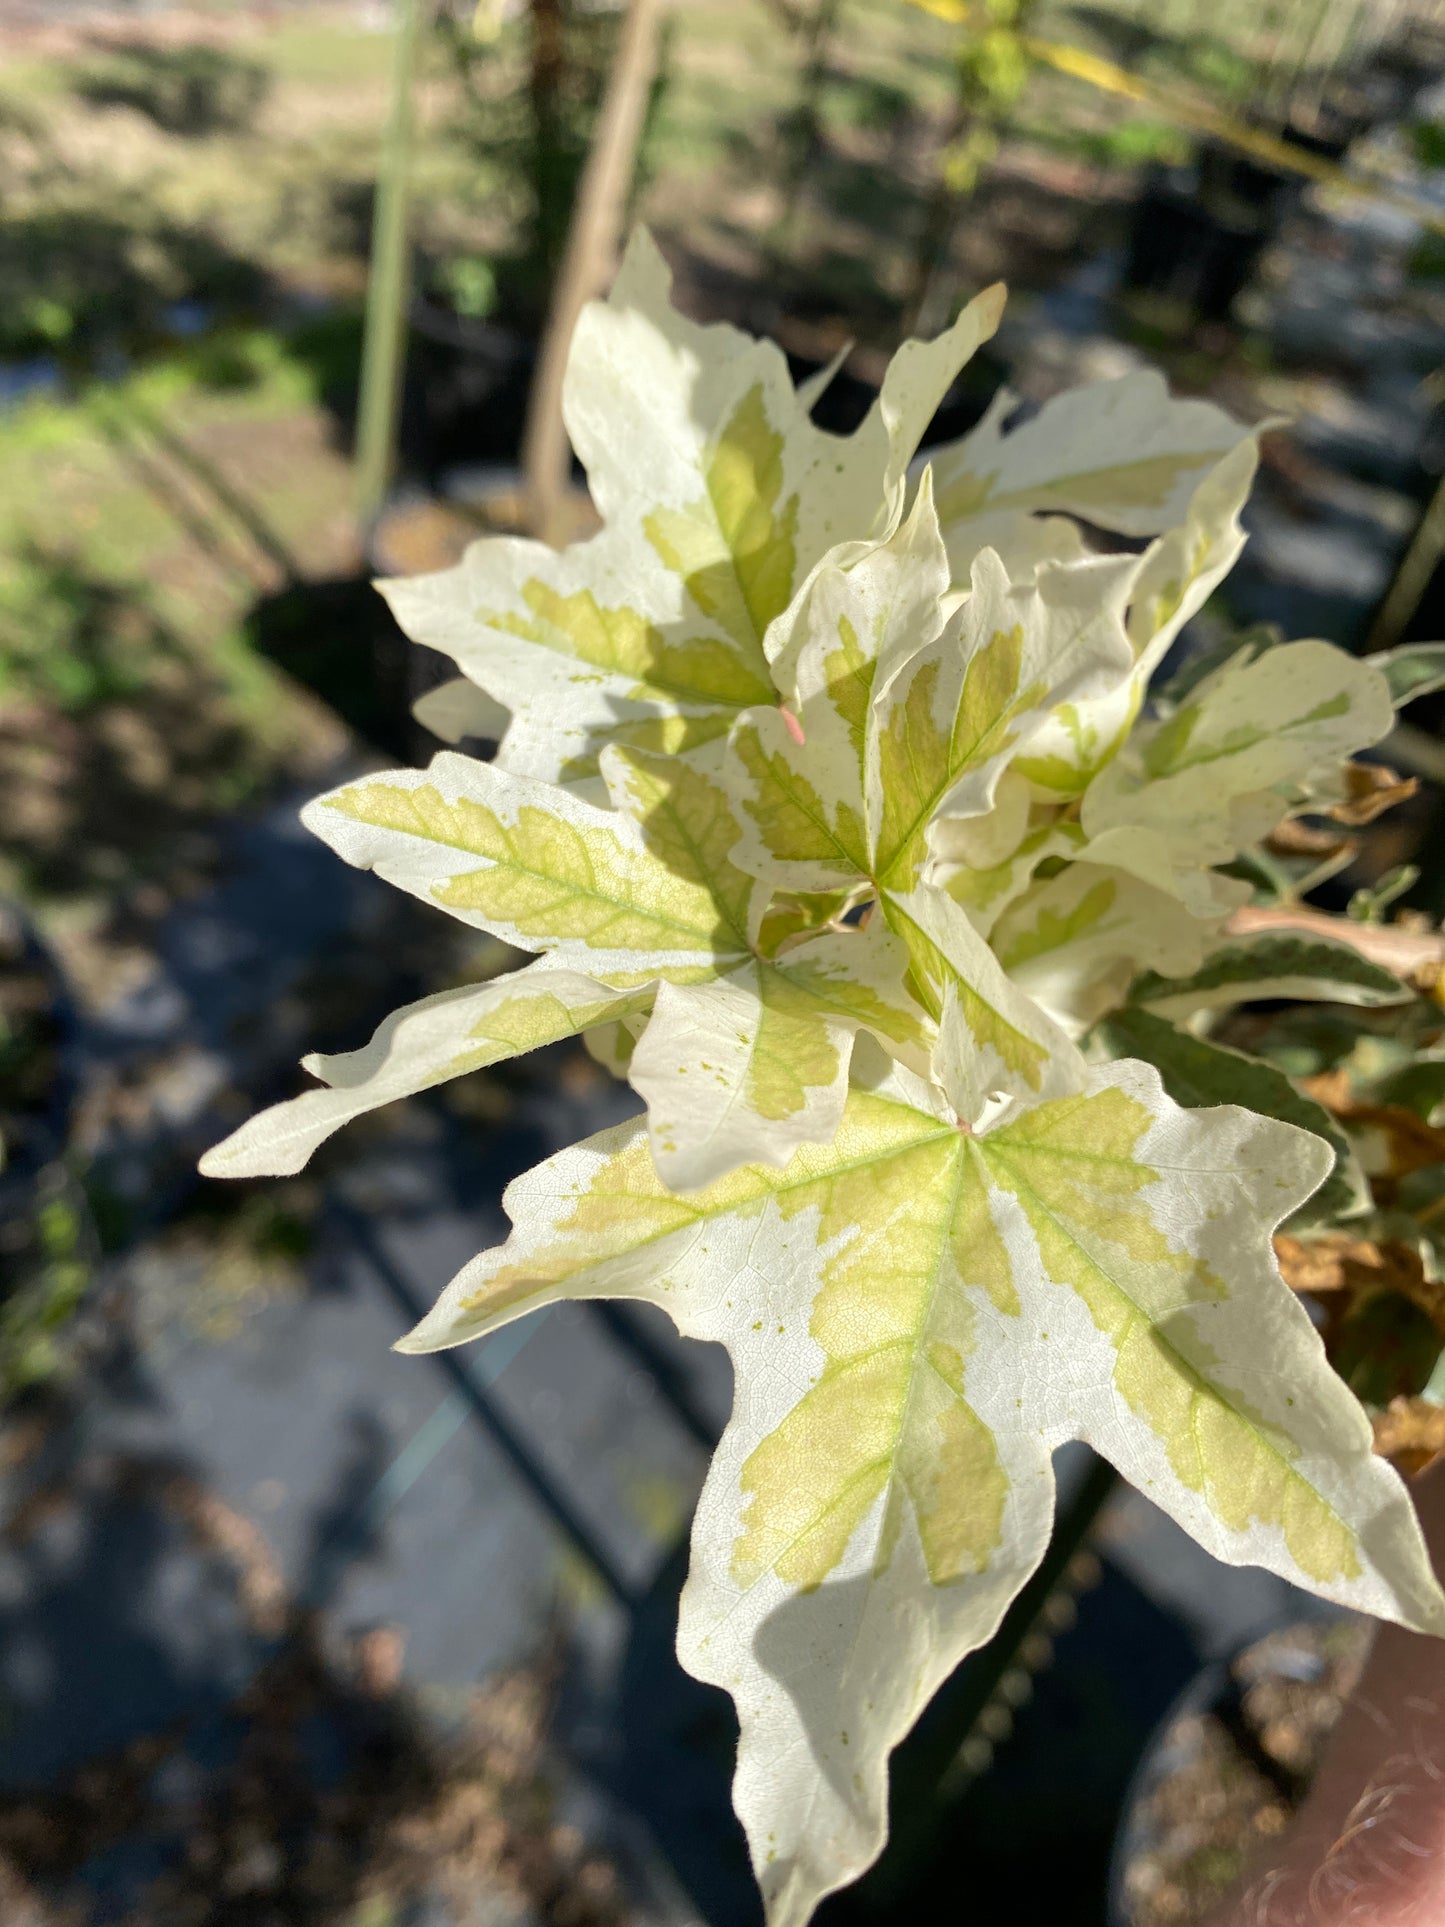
(1412, 578)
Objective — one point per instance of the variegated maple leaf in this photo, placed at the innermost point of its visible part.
(1123, 455)
(917, 1315)
(905, 709)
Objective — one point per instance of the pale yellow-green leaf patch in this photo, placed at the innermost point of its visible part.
(537, 867)
(744, 494)
(752, 1066)
(985, 882)
(948, 721)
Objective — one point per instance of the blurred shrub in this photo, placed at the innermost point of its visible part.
(50, 1261)
(90, 269)
(190, 91)
(469, 283)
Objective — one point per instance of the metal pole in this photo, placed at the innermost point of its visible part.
(388, 288)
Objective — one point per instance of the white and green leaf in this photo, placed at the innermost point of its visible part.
(698, 435)
(1004, 1044)
(416, 1048)
(800, 774)
(1073, 941)
(1197, 1072)
(983, 882)
(543, 869)
(951, 717)
(1271, 964)
(917, 1318)
(750, 1067)
(1253, 740)
(598, 643)
(1176, 576)
(1123, 454)
(718, 497)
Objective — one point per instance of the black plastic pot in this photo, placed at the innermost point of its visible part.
(1214, 1708)
(1198, 231)
(466, 392)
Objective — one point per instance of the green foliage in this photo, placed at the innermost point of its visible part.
(470, 284)
(191, 91)
(1427, 138)
(47, 1279)
(1198, 1074)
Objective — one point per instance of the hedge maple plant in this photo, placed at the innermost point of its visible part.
(830, 802)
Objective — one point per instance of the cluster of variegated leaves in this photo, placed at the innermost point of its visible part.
(824, 797)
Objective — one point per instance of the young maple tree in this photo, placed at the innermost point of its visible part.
(828, 797)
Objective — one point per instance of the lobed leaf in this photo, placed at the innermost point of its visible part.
(944, 726)
(1123, 454)
(540, 868)
(1225, 767)
(749, 1068)
(916, 1318)
(1011, 1047)
(1242, 970)
(718, 496)
(1074, 940)
(414, 1049)
(800, 776)
(1176, 575)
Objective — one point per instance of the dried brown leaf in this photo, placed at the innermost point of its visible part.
(1370, 790)
(1295, 837)
(1410, 1433)
(1337, 1262)
(1391, 1139)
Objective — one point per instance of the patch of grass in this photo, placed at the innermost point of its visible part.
(50, 1274)
(325, 53)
